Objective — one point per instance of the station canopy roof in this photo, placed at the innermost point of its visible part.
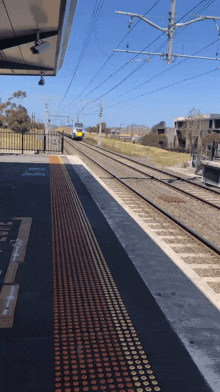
(22, 22)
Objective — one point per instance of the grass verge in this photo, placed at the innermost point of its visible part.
(156, 155)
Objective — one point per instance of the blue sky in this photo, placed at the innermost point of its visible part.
(103, 31)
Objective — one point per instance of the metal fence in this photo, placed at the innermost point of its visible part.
(33, 142)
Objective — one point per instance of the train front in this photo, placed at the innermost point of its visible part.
(79, 131)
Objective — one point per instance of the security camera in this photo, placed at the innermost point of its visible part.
(41, 81)
(39, 48)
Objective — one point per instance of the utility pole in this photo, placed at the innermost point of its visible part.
(170, 30)
(100, 124)
(47, 114)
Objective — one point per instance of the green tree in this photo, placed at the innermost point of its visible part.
(18, 119)
(153, 140)
(39, 125)
(15, 116)
(18, 95)
(2, 120)
(91, 129)
(103, 127)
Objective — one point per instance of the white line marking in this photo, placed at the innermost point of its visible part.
(9, 299)
(17, 243)
(36, 168)
(33, 174)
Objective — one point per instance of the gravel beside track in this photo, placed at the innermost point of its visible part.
(196, 214)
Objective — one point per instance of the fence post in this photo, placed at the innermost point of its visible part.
(45, 140)
(62, 143)
(22, 142)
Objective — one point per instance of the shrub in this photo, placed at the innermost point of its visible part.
(155, 140)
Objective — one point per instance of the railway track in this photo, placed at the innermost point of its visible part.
(195, 251)
(185, 186)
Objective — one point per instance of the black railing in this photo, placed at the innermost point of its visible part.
(31, 142)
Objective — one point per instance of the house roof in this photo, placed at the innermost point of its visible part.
(20, 21)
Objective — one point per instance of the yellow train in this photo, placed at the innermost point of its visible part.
(76, 133)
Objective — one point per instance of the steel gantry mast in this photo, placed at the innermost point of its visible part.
(170, 30)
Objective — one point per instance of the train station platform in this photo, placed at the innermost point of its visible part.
(89, 302)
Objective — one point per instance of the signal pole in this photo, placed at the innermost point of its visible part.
(100, 124)
(170, 30)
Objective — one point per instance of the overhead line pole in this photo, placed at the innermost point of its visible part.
(170, 30)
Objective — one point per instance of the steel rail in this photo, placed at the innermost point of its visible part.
(154, 168)
(191, 231)
(159, 180)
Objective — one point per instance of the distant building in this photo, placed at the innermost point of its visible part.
(205, 124)
(169, 132)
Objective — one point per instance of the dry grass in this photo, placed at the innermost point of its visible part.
(12, 141)
(156, 155)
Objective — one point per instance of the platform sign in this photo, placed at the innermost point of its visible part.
(55, 140)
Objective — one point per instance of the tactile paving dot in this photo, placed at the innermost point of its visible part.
(95, 343)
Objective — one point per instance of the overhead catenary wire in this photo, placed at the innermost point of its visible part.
(161, 73)
(114, 53)
(201, 8)
(169, 85)
(131, 73)
(166, 70)
(175, 83)
(95, 15)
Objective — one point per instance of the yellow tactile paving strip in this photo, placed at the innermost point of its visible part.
(96, 345)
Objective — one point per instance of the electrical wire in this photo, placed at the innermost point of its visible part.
(132, 28)
(139, 68)
(175, 83)
(167, 70)
(93, 20)
(202, 8)
(131, 73)
(119, 103)
(198, 5)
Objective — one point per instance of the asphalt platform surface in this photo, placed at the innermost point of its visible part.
(27, 348)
